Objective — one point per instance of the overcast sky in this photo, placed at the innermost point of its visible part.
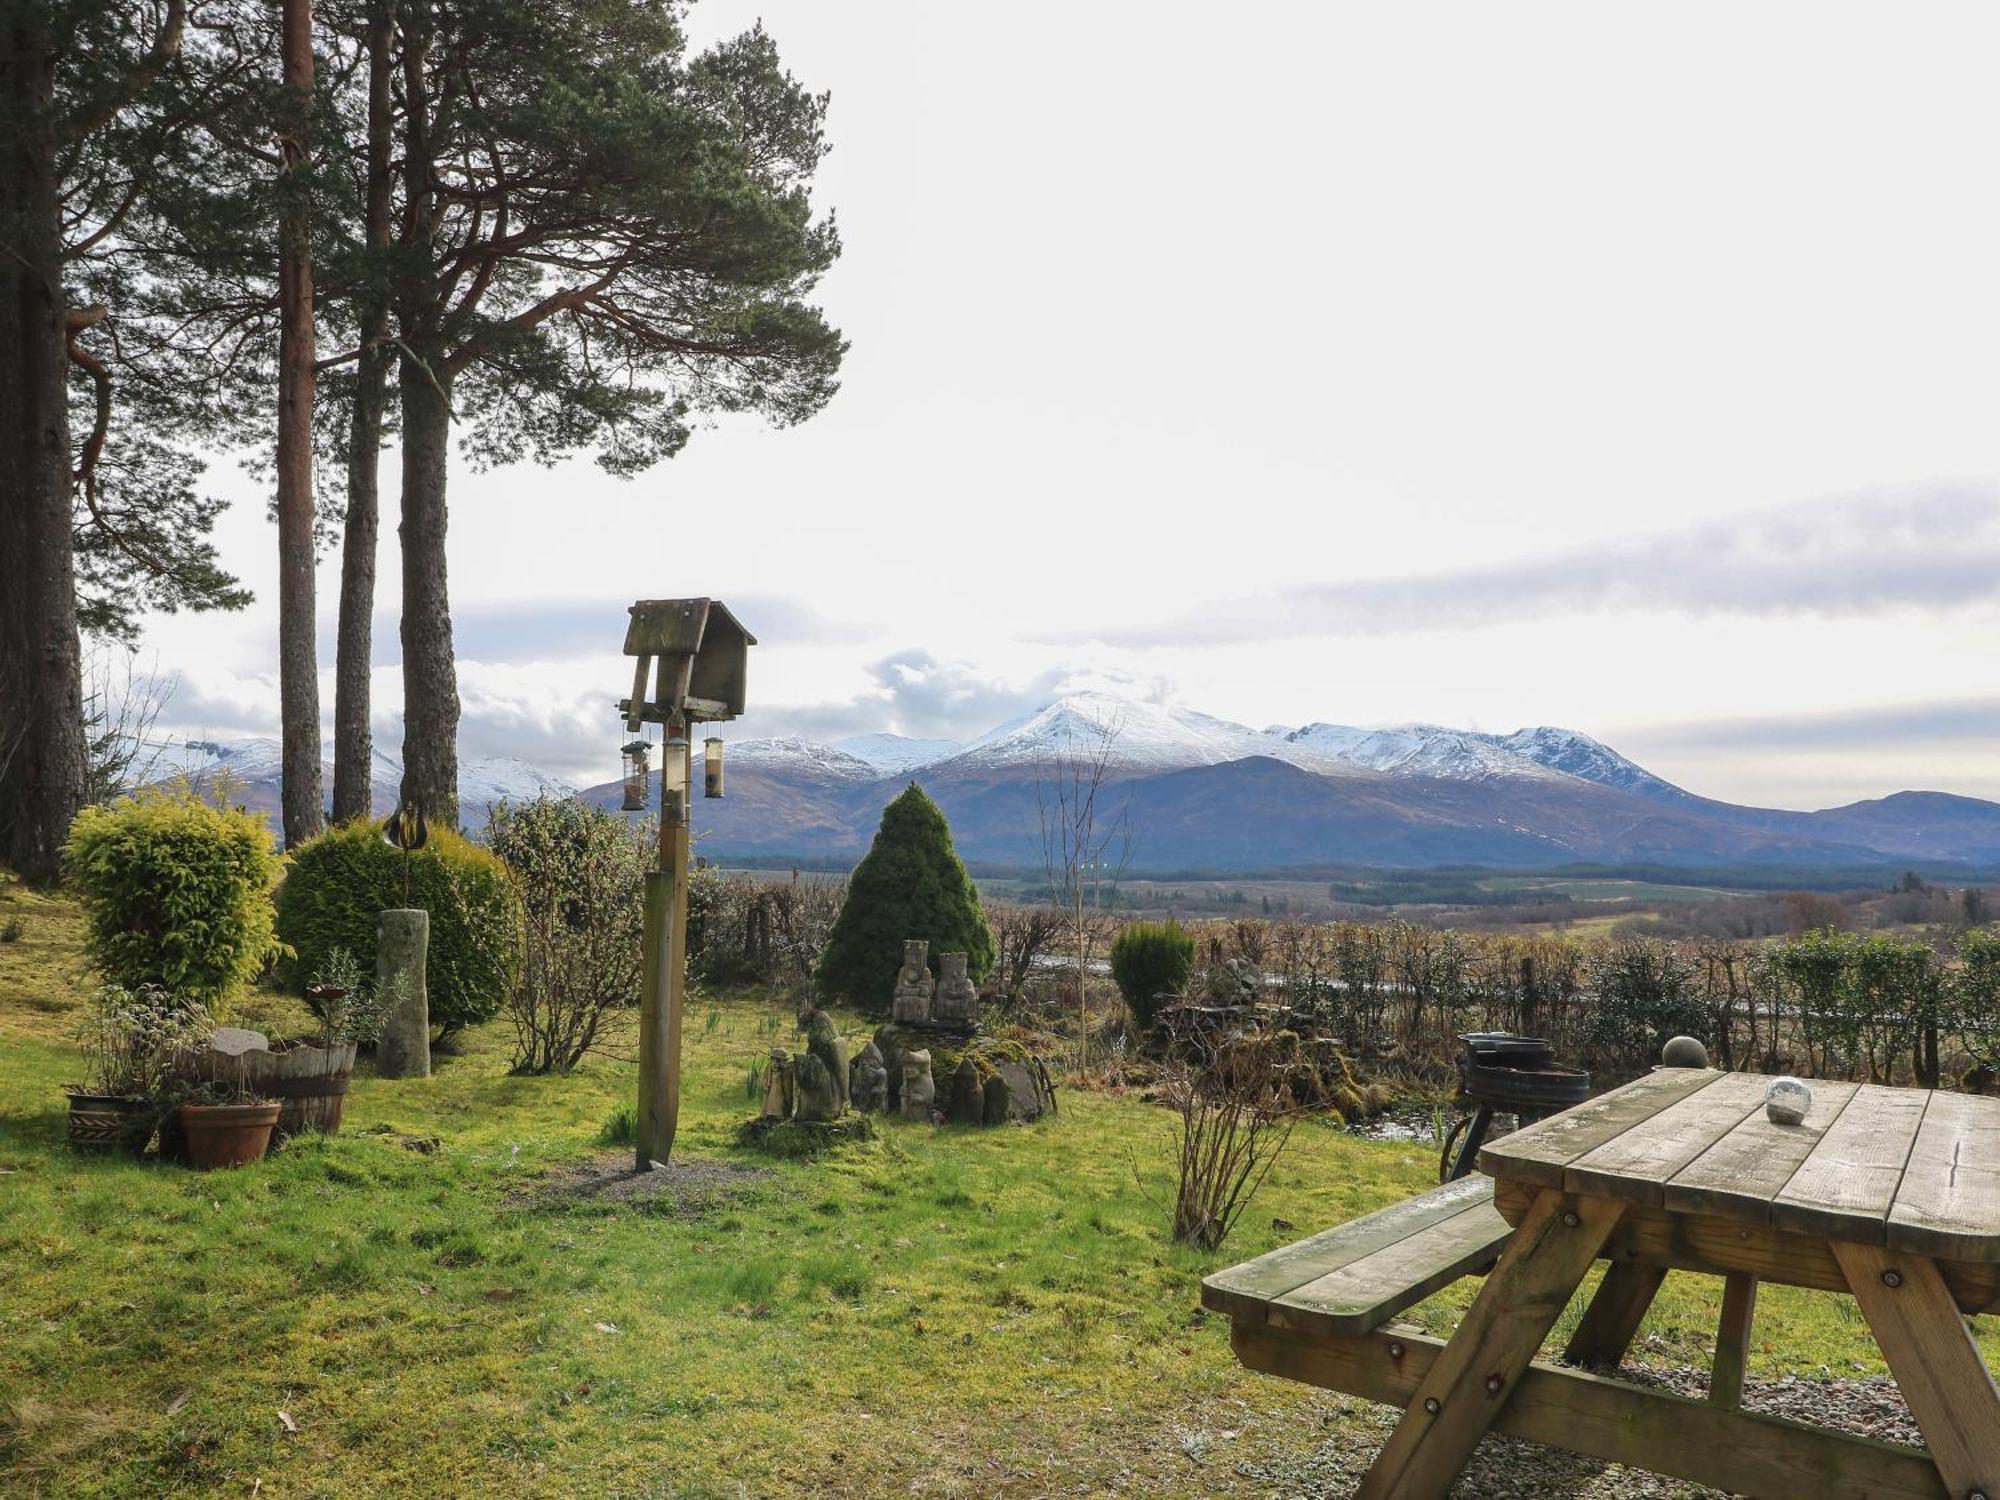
(1629, 368)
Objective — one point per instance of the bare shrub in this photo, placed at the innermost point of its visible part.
(582, 878)
(1235, 1098)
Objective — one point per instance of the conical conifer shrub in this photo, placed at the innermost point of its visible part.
(910, 884)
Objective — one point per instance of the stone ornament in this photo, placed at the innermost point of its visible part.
(957, 1001)
(778, 1085)
(868, 1081)
(818, 1098)
(966, 1104)
(1684, 1052)
(911, 1005)
(1786, 1101)
(918, 1088)
(829, 1046)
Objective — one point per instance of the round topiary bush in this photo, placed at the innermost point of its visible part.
(178, 892)
(910, 884)
(340, 880)
(1149, 959)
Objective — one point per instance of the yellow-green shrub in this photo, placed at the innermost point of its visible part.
(178, 892)
(340, 880)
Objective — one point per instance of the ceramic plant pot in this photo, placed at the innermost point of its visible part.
(227, 1135)
(104, 1123)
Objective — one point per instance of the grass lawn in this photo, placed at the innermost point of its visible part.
(936, 1312)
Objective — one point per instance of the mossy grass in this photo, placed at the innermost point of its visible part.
(954, 1311)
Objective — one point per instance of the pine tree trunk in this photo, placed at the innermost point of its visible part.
(41, 691)
(430, 672)
(353, 735)
(298, 663)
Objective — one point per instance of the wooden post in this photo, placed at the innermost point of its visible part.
(1613, 1317)
(665, 972)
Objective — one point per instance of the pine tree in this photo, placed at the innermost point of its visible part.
(911, 884)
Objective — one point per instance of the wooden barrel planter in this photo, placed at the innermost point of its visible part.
(307, 1081)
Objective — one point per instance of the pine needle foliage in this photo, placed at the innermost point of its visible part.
(910, 884)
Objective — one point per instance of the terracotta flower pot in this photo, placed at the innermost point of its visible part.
(227, 1135)
(102, 1123)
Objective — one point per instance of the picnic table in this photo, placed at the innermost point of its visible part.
(1890, 1194)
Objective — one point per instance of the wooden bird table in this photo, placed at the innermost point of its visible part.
(1891, 1194)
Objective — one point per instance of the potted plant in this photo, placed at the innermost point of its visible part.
(130, 1038)
(226, 1124)
(309, 1078)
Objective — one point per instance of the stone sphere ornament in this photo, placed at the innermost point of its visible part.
(1684, 1052)
(1786, 1101)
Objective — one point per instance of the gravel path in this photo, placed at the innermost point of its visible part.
(1507, 1469)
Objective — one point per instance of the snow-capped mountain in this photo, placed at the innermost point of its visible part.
(254, 768)
(893, 754)
(1135, 736)
(1422, 750)
(800, 757)
(1576, 754)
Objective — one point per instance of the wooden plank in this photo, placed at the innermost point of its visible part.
(1538, 1153)
(1936, 1364)
(1715, 1247)
(1612, 1320)
(1475, 1376)
(1366, 1293)
(1635, 1164)
(1948, 1202)
(1732, 1340)
(1739, 1452)
(1740, 1174)
(1847, 1183)
(1243, 1290)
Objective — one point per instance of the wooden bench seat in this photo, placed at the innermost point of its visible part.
(1353, 1279)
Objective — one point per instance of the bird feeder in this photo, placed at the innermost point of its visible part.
(711, 767)
(635, 753)
(690, 661)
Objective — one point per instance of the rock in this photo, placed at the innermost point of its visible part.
(817, 1097)
(918, 1088)
(778, 1085)
(966, 1104)
(957, 1000)
(402, 940)
(868, 1081)
(1786, 1101)
(1028, 1094)
(993, 1101)
(911, 1004)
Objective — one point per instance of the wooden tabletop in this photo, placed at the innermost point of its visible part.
(1913, 1169)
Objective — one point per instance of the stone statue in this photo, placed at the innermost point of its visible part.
(827, 1044)
(778, 1085)
(918, 1089)
(868, 1081)
(966, 1104)
(818, 1099)
(957, 1002)
(912, 1003)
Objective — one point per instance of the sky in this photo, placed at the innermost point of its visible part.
(1630, 368)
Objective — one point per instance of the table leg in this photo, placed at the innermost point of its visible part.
(1937, 1366)
(1732, 1340)
(1544, 1262)
(1613, 1317)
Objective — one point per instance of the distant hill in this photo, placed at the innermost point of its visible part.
(1203, 793)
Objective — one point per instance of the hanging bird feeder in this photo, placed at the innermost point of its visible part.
(635, 753)
(711, 767)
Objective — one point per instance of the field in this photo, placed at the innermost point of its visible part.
(428, 1305)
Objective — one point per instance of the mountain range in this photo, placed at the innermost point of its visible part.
(1203, 794)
